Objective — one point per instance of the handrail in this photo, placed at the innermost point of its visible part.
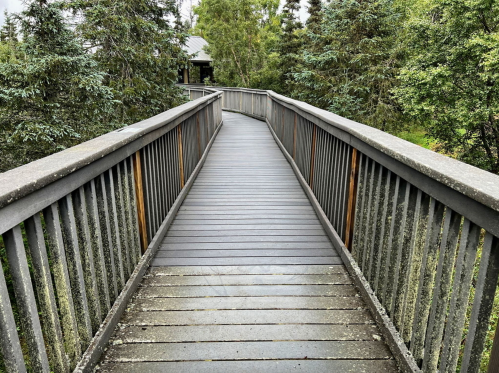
(82, 225)
(410, 225)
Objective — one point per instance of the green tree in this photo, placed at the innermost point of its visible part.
(349, 67)
(240, 34)
(52, 97)
(138, 44)
(315, 16)
(450, 83)
(8, 32)
(290, 45)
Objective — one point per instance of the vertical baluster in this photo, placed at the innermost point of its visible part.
(352, 198)
(84, 242)
(161, 188)
(62, 284)
(331, 178)
(121, 227)
(169, 171)
(413, 273)
(318, 165)
(134, 209)
(25, 299)
(337, 193)
(437, 285)
(180, 156)
(146, 185)
(45, 293)
(75, 270)
(97, 247)
(369, 211)
(392, 247)
(345, 174)
(9, 340)
(373, 241)
(165, 175)
(107, 241)
(470, 237)
(482, 304)
(114, 225)
(155, 184)
(386, 218)
(411, 214)
(359, 216)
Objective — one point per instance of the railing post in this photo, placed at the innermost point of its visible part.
(352, 196)
(180, 157)
(312, 157)
(139, 192)
(283, 111)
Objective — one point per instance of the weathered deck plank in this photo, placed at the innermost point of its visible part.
(246, 279)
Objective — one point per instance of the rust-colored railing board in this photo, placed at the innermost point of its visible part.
(352, 199)
(139, 193)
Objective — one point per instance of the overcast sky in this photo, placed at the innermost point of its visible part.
(14, 6)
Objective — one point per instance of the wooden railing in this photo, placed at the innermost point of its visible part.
(417, 230)
(79, 228)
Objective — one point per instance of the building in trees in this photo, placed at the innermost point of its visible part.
(200, 68)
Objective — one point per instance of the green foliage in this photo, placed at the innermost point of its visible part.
(241, 34)
(451, 79)
(349, 65)
(139, 49)
(289, 46)
(52, 97)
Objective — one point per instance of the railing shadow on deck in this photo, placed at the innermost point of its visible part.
(417, 230)
(80, 227)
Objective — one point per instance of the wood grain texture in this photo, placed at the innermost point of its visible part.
(139, 192)
(246, 279)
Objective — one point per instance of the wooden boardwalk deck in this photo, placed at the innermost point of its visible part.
(246, 279)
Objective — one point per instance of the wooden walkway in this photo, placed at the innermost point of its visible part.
(246, 279)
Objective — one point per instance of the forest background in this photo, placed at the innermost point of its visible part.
(423, 70)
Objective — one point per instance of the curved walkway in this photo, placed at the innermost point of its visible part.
(246, 279)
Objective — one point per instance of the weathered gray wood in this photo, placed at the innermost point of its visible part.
(62, 284)
(468, 247)
(87, 258)
(229, 280)
(45, 294)
(10, 347)
(255, 366)
(25, 299)
(75, 270)
(245, 253)
(441, 283)
(245, 351)
(247, 303)
(482, 304)
(160, 262)
(97, 247)
(248, 317)
(247, 333)
(259, 270)
(216, 274)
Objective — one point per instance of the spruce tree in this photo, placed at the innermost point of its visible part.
(315, 16)
(349, 67)
(139, 47)
(290, 44)
(53, 97)
(8, 32)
